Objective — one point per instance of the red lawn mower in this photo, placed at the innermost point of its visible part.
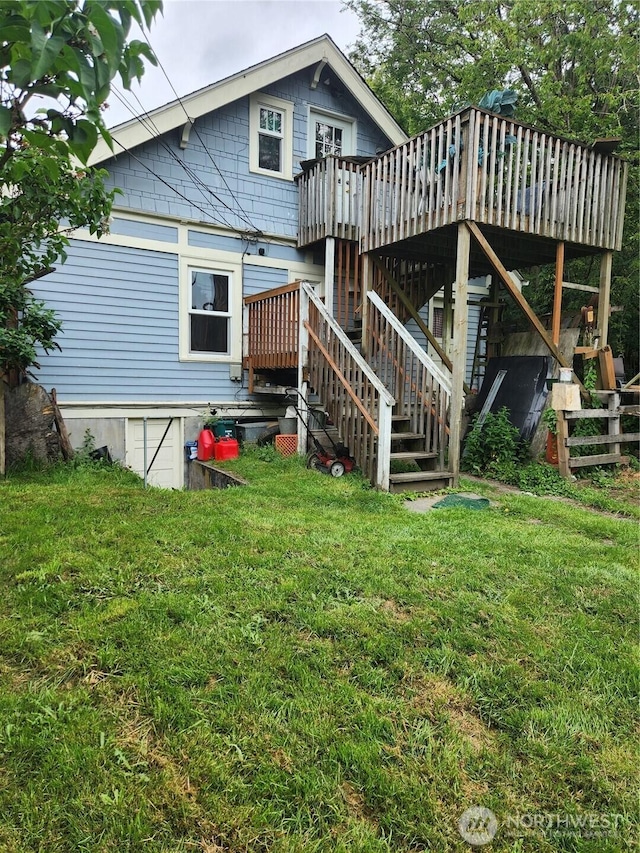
(336, 462)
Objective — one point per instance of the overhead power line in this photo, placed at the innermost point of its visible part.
(192, 121)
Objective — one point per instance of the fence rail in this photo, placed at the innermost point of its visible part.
(356, 400)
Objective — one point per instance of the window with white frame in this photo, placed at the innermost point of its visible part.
(210, 311)
(209, 314)
(330, 134)
(271, 136)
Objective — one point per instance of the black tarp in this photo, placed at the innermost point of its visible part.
(523, 390)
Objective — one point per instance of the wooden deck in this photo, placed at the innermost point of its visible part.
(474, 166)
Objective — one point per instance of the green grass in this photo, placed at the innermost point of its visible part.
(303, 665)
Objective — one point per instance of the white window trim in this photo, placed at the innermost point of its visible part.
(256, 101)
(212, 265)
(337, 120)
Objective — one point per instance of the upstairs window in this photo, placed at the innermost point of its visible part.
(330, 134)
(328, 139)
(270, 139)
(271, 136)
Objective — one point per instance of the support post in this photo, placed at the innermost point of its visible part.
(329, 272)
(604, 297)
(367, 285)
(557, 295)
(459, 350)
(303, 385)
(564, 467)
(447, 315)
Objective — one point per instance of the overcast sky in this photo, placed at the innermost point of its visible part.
(201, 41)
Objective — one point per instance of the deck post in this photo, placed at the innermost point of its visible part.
(557, 295)
(604, 297)
(329, 272)
(367, 285)
(447, 313)
(303, 385)
(459, 349)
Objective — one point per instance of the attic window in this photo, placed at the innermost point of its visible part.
(271, 136)
(330, 134)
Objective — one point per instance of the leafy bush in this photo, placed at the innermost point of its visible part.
(493, 446)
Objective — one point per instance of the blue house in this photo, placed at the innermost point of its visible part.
(266, 218)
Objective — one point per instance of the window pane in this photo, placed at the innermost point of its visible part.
(438, 318)
(209, 291)
(270, 120)
(269, 153)
(209, 334)
(328, 139)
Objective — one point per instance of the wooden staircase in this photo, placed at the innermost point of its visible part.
(407, 450)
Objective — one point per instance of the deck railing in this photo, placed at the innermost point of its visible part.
(271, 329)
(329, 201)
(356, 400)
(483, 167)
(421, 388)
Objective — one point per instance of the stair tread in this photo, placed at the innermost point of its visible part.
(414, 454)
(416, 476)
(400, 417)
(404, 436)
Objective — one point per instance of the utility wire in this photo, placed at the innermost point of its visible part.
(148, 124)
(192, 121)
(155, 131)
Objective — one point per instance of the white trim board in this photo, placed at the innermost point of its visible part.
(172, 115)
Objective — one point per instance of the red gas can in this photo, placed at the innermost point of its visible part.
(225, 448)
(206, 443)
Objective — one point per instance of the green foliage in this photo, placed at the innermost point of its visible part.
(550, 420)
(574, 66)
(69, 51)
(492, 447)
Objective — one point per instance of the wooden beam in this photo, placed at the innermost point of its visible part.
(459, 350)
(402, 296)
(557, 295)
(605, 297)
(520, 301)
(607, 370)
(329, 272)
(571, 285)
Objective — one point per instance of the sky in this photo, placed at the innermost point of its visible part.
(201, 41)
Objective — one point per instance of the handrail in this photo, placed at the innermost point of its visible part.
(356, 399)
(344, 340)
(410, 341)
(265, 295)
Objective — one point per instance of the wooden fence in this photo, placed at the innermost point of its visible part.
(612, 440)
(272, 329)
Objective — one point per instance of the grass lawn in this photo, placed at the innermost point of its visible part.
(304, 665)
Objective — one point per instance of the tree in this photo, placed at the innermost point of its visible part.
(64, 55)
(572, 62)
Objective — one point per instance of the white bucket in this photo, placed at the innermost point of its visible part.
(566, 374)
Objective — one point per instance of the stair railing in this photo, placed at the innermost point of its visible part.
(422, 389)
(357, 401)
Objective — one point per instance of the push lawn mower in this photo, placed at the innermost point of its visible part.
(336, 462)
